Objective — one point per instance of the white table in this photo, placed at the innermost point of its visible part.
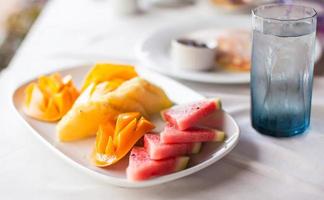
(78, 31)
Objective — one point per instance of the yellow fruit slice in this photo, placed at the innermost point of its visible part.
(88, 112)
(140, 95)
(106, 72)
(110, 150)
(97, 105)
(125, 133)
(50, 84)
(50, 98)
(104, 133)
(124, 119)
(143, 126)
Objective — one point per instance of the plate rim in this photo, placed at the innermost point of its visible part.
(113, 180)
(149, 63)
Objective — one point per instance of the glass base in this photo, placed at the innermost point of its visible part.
(287, 133)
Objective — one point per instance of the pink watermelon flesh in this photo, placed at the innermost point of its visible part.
(141, 167)
(171, 135)
(187, 115)
(158, 151)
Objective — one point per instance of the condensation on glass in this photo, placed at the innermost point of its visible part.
(282, 68)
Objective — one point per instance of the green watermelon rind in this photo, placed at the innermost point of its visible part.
(219, 136)
(218, 103)
(196, 148)
(181, 163)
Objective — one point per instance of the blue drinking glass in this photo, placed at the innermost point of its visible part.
(282, 68)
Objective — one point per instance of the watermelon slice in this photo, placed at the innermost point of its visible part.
(141, 167)
(171, 135)
(187, 115)
(158, 151)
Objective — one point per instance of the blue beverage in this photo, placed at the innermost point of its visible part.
(282, 71)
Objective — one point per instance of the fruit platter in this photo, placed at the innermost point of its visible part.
(125, 125)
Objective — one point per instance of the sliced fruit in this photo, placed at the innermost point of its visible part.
(124, 119)
(105, 101)
(138, 94)
(171, 135)
(104, 134)
(158, 150)
(88, 112)
(141, 167)
(50, 98)
(112, 145)
(107, 72)
(187, 115)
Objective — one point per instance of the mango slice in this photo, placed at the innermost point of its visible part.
(50, 98)
(101, 103)
(112, 145)
(88, 111)
(108, 72)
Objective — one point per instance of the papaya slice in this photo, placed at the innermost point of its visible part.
(112, 145)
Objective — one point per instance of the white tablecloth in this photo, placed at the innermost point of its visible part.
(78, 31)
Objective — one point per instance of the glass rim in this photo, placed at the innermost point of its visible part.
(283, 20)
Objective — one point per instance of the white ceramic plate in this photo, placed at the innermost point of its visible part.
(154, 50)
(77, 153)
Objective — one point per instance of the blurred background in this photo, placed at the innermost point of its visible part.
(17, 16)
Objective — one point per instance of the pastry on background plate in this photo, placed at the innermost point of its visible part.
(234, 50)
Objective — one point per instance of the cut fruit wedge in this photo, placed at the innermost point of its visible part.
(171, 135)
(141, 167)
(87, 113)
(139, 95)
(113, 143)
(103, 102)
(102, 72)
(159, 151)
(50, 98)
(187, 115)
(124, 119)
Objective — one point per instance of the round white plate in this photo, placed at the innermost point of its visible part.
(154, 50)
(78, 153)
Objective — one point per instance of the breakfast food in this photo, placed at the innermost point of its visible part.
(234, 50)
(113, 143)
(171, 135)
(186, 115)
(158, 151)
(50, 98)
(115, 105)
(141, 167)
(98, 105)
(163, 153)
